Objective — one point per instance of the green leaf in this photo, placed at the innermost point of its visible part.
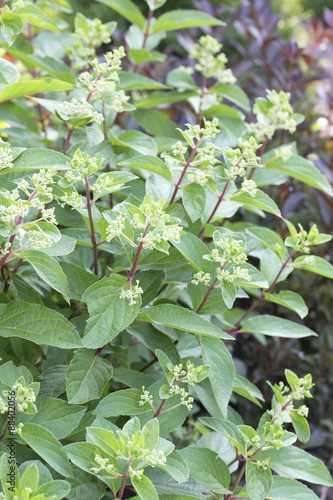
(37, 158)
(157, 98)
(233, 94)
(143, 55)
(302, 169)
(57, 416)
(258, 481)
(222, 373)
(34, 86)
(140, 142)
(260, 200)
(316, 265)
(165, 363)
(207, 468)
(180, 19)
(269, 238)
(176, 467)
(35, 16)
(83, 455)
(86, 376)
(54, 489)
(105, 439)
(49, 270)
(182, 319)
(194, 200)
(149, 163)
(301, 426)
(133, 81)
(79, 279)
(154, 339)
(151, 431)
(123, 402)
(127, 9)
(156, 122)
(193, 250)
(283, 488)
(11, 26)
(43, 442)
(227, 429)
(293, 462)
(109, 314)
(39, 325)
(229, 293)
(289, 299)
(144, 488)
(245, 388)
(9, 71)
(4, 475)
(276, 327)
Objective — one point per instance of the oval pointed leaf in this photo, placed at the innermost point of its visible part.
(276, 327)
(86, 376)
(179, 19)
(39, 325)
(109, 314)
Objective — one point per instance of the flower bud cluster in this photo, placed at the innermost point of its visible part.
(132, 293)
(6, 159)
(80, 109)
(103, 465)
(201, 277)
(201, 177)
(211, 62)
(249, 186)
(85, 44)
(115, 227)
(273, 113)
(237, 273)
(262, 466)
(156, 458)
(237, 160)
(146, 398)
(184, 396)
(232, 249)
(82, 166)
(102, 84)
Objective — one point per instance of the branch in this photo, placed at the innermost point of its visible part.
(187, 164)
(91, 224)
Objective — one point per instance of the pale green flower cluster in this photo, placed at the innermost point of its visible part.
(102, 83)
(273, 113)
(115, 227)
(239, 159)
(185, 399)
(6, 159)
(24, 398)
(237, 272)
(201, 177)
(146, 398)
(211, 61)
(232, 249)
(201, 277)
(82, 166)
(80, 109)
(103, 465)
(74, 200)
(86, 43)
(249, 186)
(132, 293)
(37, 193)
(285, 152)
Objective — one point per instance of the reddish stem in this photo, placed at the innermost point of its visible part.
(137, 257)
(218, 203)
(187, 164)
(91, 224)
(262, 295)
